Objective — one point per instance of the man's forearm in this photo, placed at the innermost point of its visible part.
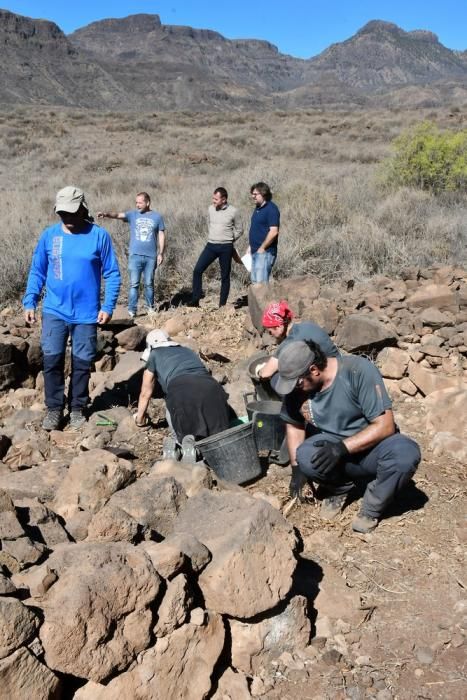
(269, 368)
(147, 389)
(161, 243)
(294, 437)
(270, 238)
(381, 428)
(143, 403)
(110, 215)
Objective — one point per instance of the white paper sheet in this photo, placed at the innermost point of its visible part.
(246, 260)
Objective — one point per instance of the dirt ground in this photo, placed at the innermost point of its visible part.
(405, 637)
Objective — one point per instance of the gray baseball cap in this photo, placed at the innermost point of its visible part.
(294, 360)
(69, 199)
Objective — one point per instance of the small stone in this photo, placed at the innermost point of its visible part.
(342, 626)
(353, 637)
(457, 639)
(324, 627)
(424, 655)
(318, 642)
(332, 657)
(418, 673)
(198, 617)
(363, 660)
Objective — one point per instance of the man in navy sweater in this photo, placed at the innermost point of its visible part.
(70, 259)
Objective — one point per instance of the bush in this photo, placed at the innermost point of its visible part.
(430, 159)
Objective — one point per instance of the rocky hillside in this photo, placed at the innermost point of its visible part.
(137, 62)
(126, 576)
(39, 65)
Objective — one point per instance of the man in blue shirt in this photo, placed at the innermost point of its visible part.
(147, 242)
(70, 259)
(264, 231)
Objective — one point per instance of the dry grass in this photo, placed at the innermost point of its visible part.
(337, 219)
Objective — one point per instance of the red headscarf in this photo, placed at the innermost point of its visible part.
(277, 314)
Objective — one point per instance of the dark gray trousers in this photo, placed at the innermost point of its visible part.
(387, 467)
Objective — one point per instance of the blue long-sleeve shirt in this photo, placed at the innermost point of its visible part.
(71, 266)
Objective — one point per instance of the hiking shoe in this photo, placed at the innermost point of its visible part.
(332, 506)
(53, 419)
(364, 524)
(189, 452)
(77, 418)
(171, 449)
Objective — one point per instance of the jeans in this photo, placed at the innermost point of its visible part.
(223, 252)
(261, 266)
(55, 333)
(141, 265)
(386, 468)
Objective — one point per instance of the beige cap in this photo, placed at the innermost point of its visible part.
(157, 339)
(69, 199)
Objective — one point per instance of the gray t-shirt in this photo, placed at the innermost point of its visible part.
(355, 398)
(306, 330)
(171, 362)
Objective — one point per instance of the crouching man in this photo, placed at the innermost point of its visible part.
(344, 403)
(196, 404)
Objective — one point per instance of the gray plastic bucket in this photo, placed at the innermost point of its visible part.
(268, 427)
(263, 388)
(232, 454)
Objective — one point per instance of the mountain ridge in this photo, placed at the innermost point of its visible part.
(137, 62)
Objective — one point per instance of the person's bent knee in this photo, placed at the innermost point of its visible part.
(403, 452)
(305, 453)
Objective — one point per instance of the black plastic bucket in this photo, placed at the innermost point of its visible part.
(268, 427)
(232, 454)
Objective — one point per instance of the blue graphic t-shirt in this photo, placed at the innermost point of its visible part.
(143, 232)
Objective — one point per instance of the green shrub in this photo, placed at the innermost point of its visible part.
(430, 159)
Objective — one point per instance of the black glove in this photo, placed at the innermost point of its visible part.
(297, 482)
(329, 455)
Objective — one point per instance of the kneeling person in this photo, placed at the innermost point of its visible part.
(344, 401)
(196, 403)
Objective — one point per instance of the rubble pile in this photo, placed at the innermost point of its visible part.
(123, 578)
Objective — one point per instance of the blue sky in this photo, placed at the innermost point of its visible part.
(298, 27)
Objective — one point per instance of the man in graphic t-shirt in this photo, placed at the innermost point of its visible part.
(147, 241)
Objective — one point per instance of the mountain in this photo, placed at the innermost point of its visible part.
(39, 65)
(138, 63)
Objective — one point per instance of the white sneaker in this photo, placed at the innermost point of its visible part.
(189, 451)
(131, 314)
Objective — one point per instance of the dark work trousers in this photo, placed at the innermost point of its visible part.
(387, 468)
(213, 251)
(55, 333)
